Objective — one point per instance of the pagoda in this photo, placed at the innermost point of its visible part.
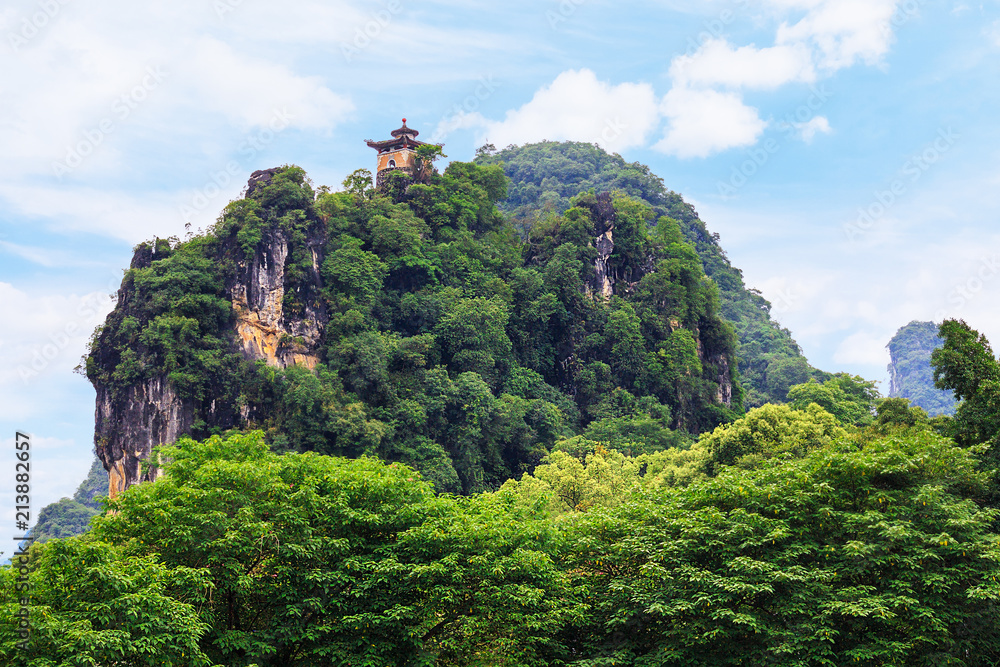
(400, 152)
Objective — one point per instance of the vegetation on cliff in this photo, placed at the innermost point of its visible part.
(546, 176)
(448, 341)
(910, 372)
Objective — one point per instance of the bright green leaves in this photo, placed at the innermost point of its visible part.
(355, 272)
(473, 337)
(849, 398)
(172, 323)
(966, 365)
(771, 431)
(92, 603)
(847, 556)
(318, 560)
(854, 553)
(627, 345)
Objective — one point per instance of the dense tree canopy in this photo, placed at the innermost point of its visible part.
(546, 176)
(864, 551)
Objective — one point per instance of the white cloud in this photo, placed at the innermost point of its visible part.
(718, 63)
(809, 129)
(47, 342)
(703, 122)
(249, 90)
(119, 215)
(864, 347)
(844, 31)
(575, 106)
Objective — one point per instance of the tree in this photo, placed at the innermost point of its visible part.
(427, 155)
(771, 431)
(360, 184)
(91, 603)
(849, 398)
(871, 556)
(965, 364)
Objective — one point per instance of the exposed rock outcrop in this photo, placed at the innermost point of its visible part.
(262, 328)
(129, 426)
(130, 422)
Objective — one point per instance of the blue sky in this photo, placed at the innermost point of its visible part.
(847, 151)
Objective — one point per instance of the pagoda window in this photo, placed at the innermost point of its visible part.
(392, 164)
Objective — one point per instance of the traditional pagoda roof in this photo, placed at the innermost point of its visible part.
(402, 138)
(404, 130)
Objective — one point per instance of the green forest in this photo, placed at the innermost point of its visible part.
(494, 464)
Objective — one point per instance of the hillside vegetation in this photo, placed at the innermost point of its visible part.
(546, 176)
(448, 342)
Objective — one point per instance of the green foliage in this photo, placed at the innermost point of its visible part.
(318, 560)
(897, 413)
(547, 177)
(92, 603)
(965, 364)
(448, 342)
(174, 325)
(910, 369)
(847, 556)
(771, 432)
(849, 398)
(864, 551)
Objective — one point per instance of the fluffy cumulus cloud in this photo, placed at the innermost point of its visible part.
(575, 106)
(703, 122)
(718, 63)
(845, 31)
(814, 38)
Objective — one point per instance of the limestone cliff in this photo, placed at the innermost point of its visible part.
(131, 420)
(414, 308)
(263, 330)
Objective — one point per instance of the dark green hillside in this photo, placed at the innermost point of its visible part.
(71, 516)
(910, 372)
(445, 340)
(546, 176)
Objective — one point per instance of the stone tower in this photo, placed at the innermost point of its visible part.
(400, 152)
